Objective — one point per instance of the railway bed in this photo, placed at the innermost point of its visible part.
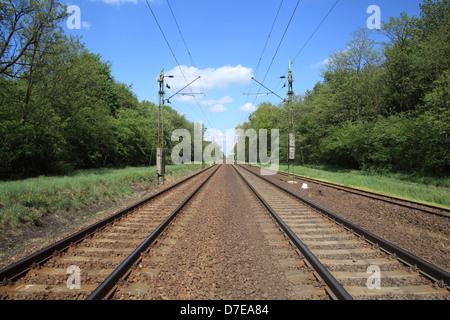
(97, 250)
(223, 245)
(410, 227)
(350, 252)
(224, 233)
(410, 204)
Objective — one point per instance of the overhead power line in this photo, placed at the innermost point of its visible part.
(279, 45)
(162, 32)
(262, 54)
(193, 63)
(314, 32)
(268, 37)
(171, 50)
(311, 36)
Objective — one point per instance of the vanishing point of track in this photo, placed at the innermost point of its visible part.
(224, 233)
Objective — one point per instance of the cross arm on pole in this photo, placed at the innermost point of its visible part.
(284, 100)
(182, 89)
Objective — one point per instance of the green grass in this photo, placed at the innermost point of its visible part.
(30, 199)
(434, 191)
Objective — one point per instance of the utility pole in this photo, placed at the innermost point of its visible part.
(291, 133)
(291, 136)
(160, 152)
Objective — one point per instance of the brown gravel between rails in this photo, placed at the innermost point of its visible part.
(26, 239)
(424, 235)
(218, 251)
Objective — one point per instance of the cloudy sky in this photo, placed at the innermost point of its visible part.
(226, 43)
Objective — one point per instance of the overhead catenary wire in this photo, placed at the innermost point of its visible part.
(299, 52)
(267, 41)
(162, 32)
(279, 45)
(309, 38)
(262, 54)
(193, 63)
(314, 32)
(170, 47)
(177, 109)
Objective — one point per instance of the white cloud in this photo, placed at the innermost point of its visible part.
(224, 100)
(214, 135)
(183, 98)
(213, 104)
(117, 1)
(248, 107)
(86, 25)
(211, 78)
(217, 105)
(321, 63)
(226, 139)
(218, 108)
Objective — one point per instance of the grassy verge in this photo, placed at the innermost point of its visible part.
(432, 191)
(30, 199)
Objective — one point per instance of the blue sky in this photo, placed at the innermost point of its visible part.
(225, 39)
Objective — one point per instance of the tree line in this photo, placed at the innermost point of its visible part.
(60, 107)
(380, 105)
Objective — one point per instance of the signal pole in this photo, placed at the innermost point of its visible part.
(160, 153)
(291, 136)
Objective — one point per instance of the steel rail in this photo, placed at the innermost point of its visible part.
(374, 195)
(107, 287)
(425, 268)
(18, 269)
(333, 285)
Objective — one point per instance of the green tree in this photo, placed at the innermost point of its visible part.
(25, 28)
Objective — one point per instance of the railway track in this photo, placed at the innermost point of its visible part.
(101, 251)
(427, 208)
(221, 249)
(349, 253)
(191, 242)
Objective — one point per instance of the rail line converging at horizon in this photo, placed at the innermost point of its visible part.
(224, 233)
(349, 250)
(411, 204)
(98, 250)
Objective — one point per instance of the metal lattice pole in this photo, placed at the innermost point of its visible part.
(160, 154)
(291, 137)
